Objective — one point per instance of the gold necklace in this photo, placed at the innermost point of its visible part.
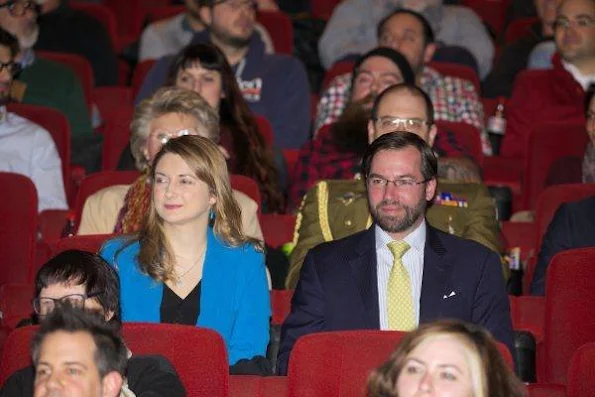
(179, 278)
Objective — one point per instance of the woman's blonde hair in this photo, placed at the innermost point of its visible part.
(490, 376)
(208, 163)
(170, 100)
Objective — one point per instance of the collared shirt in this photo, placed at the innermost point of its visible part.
(583, 79)
(454, 99)
(413, 260)
(29, 150)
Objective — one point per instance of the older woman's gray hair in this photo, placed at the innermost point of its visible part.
(170, 100)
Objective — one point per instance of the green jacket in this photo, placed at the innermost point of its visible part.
(335, 209)
(55, 86)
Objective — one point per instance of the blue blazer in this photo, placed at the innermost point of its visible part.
(234, 297)
(338, 288)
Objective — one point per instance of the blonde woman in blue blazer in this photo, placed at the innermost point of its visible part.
(190, 263)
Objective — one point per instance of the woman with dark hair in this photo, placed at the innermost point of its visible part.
(203, 68)
(445, 358)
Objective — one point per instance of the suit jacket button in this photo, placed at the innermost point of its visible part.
(348, 223)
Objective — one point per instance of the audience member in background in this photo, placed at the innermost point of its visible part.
(408, 32)
(274, 85)
(334, 209)
(445, 358)
(351, 31)
(25, 147)
(85, 281)
(515, 56)
(170, 36)
(47, 83)
(65, 29)
(401, 272)
(170, 113)
(556, 94)
(203, 68)
(77, 353)
(337, 153)
(573, 226)
(191, 263)
(588, 166)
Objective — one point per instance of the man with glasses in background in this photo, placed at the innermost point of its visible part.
(85, 281)
(334, 209)
(400, 272)
(25, 147)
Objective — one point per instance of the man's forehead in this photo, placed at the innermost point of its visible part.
(570, 8)
(403, 22)
(402, 101)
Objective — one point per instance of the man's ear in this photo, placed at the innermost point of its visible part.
(371, 131)
(111, 384)
(430, 189)
(429, 52)
(206, 15)
(432, 135)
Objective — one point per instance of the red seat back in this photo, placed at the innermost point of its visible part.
(457, 70)
(519, 28)
(198, 354)
(103, 14)
(149, 15)
(323, 9)
(549, 142)
(467, 135)
(116, 136)
(140, 72)
(581, 373)
(257, 386)
(15, 353)
(18, 230)
(492, 12)
(280, 29)
(569, 321)
(89, 243)
(277, 229)
(248, 186)
(338, 69)
(97, 181)
(281, 304)
(81, 68)
(15, 303)
(57, 125)
(265, 129)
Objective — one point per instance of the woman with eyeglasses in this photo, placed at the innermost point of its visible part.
(190, 263)
(170, 113)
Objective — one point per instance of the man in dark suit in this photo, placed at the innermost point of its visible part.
(573, 226)
(363, 282)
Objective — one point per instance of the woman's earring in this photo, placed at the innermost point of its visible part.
(211, 216)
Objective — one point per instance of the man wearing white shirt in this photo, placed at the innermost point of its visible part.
(25, 147)
(401, 271)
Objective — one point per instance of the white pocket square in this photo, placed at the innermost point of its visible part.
(452, 293)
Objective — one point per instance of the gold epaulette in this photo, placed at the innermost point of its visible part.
(322, 195)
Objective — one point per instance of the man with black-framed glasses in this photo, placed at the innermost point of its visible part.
(401, 271)
(84, 280)
(333, 208)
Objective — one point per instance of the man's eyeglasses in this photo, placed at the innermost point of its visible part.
(11, 66)
(44, 306)
(582, 22)
(378, 182)
(18, 8)
(165, 136)
(389, 124)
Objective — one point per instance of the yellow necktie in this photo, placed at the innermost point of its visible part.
(401, 315)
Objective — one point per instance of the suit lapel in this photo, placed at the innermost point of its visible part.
(437, 268)
(363, 268)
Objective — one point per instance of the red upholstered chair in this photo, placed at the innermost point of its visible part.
(198, 354)
(90, 243)
(265, 129)
(97, 181)
(519, 28)
(116, 136)
(15, 303)
(277, 229)
(257, 386)
(581, 374)
(148, 15)
(281, 304)
(323, 9)
(528, 314)
(80, 66)
(15, 353)
(337, 69)
(457, 70)
(18, 230)
(109, 101)
(548, 203)
(546, 390)
(467, 135)
(280, 29)
(569, 321)
(248, 186)
(338, 363)
(104, 15)
(291, 158)
(549, 142)
(57, 125)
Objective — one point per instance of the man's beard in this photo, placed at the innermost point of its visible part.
(350, 131)
(28, 38)
(395, 224)
(229, 39)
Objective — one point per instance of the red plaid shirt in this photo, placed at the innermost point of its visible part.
(454, 99)
(319, 159)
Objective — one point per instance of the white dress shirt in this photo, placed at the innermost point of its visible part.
(29, 150)
(413, 260)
